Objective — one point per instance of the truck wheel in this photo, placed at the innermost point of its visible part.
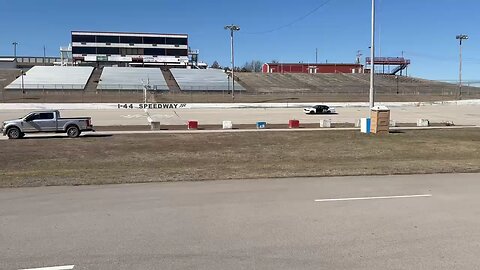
(14, 133)
(73, 131)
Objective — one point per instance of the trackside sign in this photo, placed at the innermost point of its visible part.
(151, 105)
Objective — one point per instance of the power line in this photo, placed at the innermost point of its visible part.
(324, 3)
(442, 58)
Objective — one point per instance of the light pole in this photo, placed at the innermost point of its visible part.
(23, 86)
(460, 38)
(372, 60)
(15, 50)
(396, 78)
(232, 29)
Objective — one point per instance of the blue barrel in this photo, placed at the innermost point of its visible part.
(261, 125)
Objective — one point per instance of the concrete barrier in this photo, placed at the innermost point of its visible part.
(227, 125)
(293, 124)
(358, 123)
(423, 123)
(155, 125)
(261, 125)
(365, 125)
(192, 124)
(325, 123)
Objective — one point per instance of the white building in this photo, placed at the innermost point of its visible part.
(130, 49)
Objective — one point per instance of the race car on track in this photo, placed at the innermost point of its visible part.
(319, 109)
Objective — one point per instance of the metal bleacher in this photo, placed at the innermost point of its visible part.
(131, 78)
(53, 78)
(202, 80)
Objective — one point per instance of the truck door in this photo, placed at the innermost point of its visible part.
(28, 125)
(41, 122)
(47, 121)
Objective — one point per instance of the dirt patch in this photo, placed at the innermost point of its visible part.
(185, 157)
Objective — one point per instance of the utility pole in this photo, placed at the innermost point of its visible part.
(44, 55)
(23, 86)
(15, 50)
(316, 55)
(460, 38)
(359, 56)
(233, 28)
(372, 60)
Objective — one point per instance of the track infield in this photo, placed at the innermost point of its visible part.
(190, 157)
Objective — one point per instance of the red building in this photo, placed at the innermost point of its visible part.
(311, 68)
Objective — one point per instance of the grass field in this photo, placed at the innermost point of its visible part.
(184, 157)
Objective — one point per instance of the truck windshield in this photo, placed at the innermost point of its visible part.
(26, 116)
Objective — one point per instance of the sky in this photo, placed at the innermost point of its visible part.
(287, 31)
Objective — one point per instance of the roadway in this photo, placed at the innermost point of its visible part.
(458, 114)
(247, 224)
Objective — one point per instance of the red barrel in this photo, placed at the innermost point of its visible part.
(192, 124)
(293, 123)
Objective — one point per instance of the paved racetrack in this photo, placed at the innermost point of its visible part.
(459, 114)
(247, 224)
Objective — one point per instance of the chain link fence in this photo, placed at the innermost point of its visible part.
(66, 94)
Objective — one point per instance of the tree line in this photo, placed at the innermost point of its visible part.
(249, 66)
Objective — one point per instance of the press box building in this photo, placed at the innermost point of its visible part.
(129, 49)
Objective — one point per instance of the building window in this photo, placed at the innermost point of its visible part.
(130, 40)
(177, 52)
(177, 41)
(83, 38)
(131, 51)
(154, 40)
(84, 50)
(154, 51)
(107, 39)
(109, 50)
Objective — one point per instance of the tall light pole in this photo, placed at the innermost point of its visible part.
(232, 29)
(15, 50)
(372, 60)
(460, 38)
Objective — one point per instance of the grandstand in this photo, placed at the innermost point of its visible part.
(124, 84)
(203, 80)
(7, 76)
(343, 84)
(130, 78)
(53, 78)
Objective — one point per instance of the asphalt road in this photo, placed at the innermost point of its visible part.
(459, 114)
(246, 224)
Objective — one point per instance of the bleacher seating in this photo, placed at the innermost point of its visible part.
(340, 83)
(53, 78)
(203, 80)
(131, 78)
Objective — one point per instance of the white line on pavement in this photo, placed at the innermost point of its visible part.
(65, 267)
(374, 198)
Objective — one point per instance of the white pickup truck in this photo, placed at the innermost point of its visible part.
(46, 121)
